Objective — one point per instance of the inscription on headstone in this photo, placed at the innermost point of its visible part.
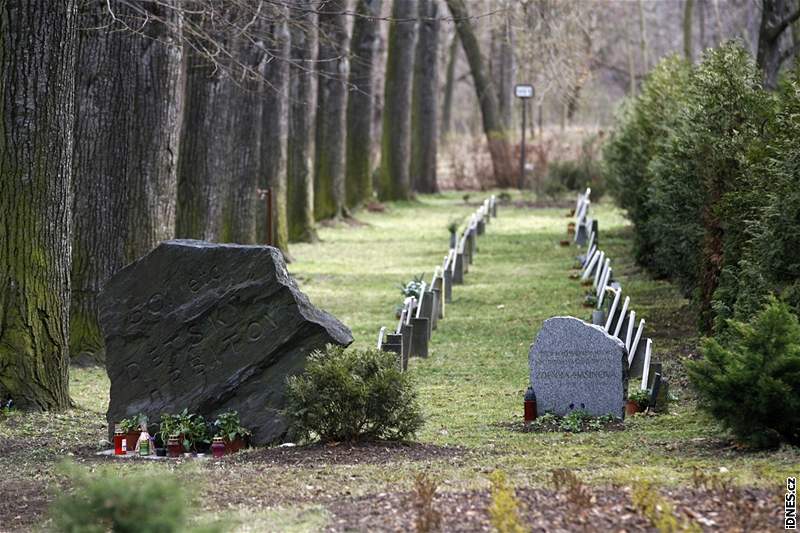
(575, 365)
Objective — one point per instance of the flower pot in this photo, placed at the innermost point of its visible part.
(233, 446)
(631, 408)
(161, 452)
(132, 437)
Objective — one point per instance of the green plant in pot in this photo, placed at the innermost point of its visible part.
(638, 401)
(132, 428)
(190, 428)
(229, 427)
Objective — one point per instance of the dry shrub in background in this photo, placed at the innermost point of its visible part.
(427, 518)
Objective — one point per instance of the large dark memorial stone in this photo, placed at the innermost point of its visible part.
(210, 328)
(578, 366)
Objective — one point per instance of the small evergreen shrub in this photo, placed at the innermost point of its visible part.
(105, 501)
(750, 380)
(352, 395)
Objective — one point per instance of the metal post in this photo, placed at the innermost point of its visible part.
(523, 92)
(522, 149)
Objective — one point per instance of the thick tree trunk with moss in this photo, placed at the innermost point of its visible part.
(497, 137)
(329, 185)
(396, 131)
(360, 103)
(274, 121)
(125, 153)
(37, 62)
(449, 85)
(424, 105)
(300, 183)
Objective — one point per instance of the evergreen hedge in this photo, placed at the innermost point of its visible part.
(706, 163)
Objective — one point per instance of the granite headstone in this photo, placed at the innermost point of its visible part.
(575, 365)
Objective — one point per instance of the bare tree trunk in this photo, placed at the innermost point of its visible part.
(424, 105)
(449, 85)
(396, 131)
(643, 38)
(274, 129)
(37, 62)
(300, 183)
(496, 136)
(329, 146)
(701, 22)
(206, 144)
(502, 66)
(776, 17)
(156, 113)
(360, 102)
(244, 131)
(717, 24)
(688, 49)
(631, 66)
(125, 154)
(100, 173)
(796, 38)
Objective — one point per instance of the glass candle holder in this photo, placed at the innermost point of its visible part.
(174, 447)
(119, 441)
(218, 447)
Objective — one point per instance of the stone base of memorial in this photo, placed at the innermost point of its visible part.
(575, 365)
(209, 328)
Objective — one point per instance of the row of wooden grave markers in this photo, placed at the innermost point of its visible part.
(420, 315)
(612, 312)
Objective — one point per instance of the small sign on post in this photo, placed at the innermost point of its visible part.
(523, 91)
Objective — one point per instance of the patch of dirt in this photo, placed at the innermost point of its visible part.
(254, 478)
(22, 504)
(609, 509)
(377, 453)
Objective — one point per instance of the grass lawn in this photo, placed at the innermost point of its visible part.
(470, 387)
